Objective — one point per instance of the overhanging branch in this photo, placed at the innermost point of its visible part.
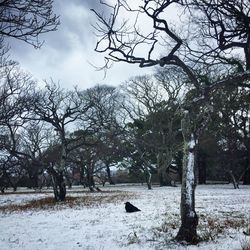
(239, 79)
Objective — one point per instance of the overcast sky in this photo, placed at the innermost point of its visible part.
(68, 53)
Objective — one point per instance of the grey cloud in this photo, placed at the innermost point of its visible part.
(67, 51)
(73, 25)
(91, 4)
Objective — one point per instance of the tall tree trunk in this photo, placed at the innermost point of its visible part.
(247, 53)
(189, 218)
(62, 187)
(60, 179)
(90, 178)
(149, 184)
(148, 176)
(83, 176)
(58, 183)
(111, 182)
(235, 182)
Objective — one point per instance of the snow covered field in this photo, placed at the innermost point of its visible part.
(100, 221)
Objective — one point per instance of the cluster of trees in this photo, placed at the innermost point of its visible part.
(160, 104)
(62, 132)
(52, 136)
(189, 120)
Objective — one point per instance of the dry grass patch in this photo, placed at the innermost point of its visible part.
(26, 192)
(245, 244)
(89, 200)
(211, 228)
(50, 191)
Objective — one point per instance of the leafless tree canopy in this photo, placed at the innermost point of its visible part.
(27, 19)
(209, 31)
(15, 85)
(223, 25)
(122, 40)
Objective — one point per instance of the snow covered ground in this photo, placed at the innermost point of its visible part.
(224, 214)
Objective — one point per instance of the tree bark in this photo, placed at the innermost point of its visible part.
(148, 176)
(62, 187)
(247, 53)
(109, 175)
(189, 218)
(235, 182)
(58, 183)
(90, 178)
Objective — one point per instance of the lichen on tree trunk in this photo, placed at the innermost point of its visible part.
(148, 177)
(189, 218)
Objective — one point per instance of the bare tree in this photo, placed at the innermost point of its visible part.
(14, 100)
(60, 109)
(122, 40)
(155, 108)
(219, 27)
(232, 130)
(83, 155)
(142, 98)
(105, 112)
(27, 20)
(14, 86)
(106, 118)
(34, 142)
